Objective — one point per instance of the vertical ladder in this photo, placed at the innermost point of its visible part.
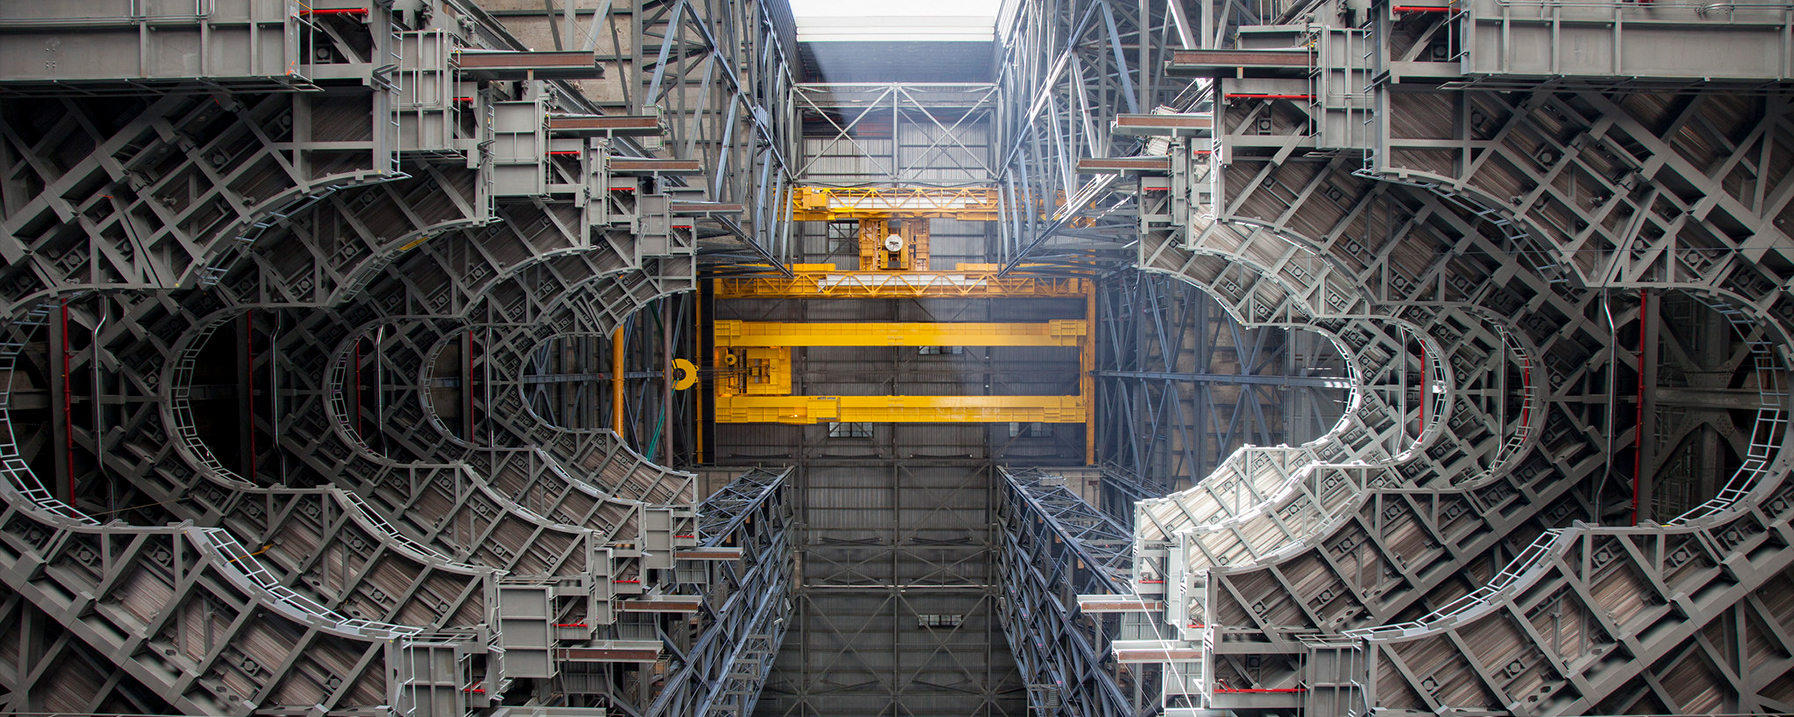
(386, 78)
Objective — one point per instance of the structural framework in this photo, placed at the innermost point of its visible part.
(1322, 357)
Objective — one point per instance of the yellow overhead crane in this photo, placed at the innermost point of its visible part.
(767, 398)
(1059, 332)
(901, 409)
(753, 360)
(821, 204)
(758, 387)
(894, 221)
(966, 281)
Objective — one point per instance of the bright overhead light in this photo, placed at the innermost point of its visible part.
(886, 21)
(805, 9)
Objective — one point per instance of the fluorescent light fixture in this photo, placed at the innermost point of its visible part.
(895, 21)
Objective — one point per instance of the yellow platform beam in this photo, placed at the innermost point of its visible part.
(966, 204)
(740, 334)
(901, 409)
(818, 204)
(758, 354)
(969, 281)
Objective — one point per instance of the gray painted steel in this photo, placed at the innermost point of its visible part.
(306, 310)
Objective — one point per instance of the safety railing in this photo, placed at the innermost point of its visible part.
(1529, 561)
(1769, 429)
(300, 606)
(1768, 432)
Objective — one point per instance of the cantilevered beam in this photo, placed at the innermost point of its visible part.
(605, 125)
(527, 65)
(1173, 125)
(704, 209)
(614, 651)
(631, 165)
(1240, 63)
(1123, 165)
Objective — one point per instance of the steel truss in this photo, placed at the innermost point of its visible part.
(1181, 386)
(360, 274)
(1056, 548)
(945, 115)
(745, 607)
(714, 74)
(1511, 233)
(1499, 252)
(719, 72)
(1067, 70)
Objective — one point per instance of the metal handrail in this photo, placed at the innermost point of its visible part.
(1772, 419)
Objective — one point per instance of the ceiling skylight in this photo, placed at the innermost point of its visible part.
(894, 21)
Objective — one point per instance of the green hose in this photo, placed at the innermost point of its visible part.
(662, 422)
(655, 443)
